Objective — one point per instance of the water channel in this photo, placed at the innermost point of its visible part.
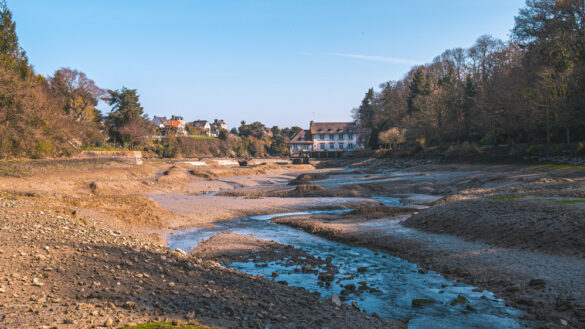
(395, 282)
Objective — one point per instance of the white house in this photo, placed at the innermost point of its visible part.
(330, 137)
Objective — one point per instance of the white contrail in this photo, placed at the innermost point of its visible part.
(378, 58)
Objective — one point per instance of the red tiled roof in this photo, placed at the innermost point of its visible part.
(173, 123)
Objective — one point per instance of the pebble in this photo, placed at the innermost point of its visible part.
(335, 300)
(109, 323)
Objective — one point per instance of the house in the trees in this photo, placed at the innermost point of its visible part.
(159, 122)
(216, 127)
(203, 126)
(329, 137)
(220, 124)
(175, 125)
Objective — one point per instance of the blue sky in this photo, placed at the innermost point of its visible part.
(280, 62)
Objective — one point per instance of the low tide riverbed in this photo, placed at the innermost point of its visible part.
(377, 282)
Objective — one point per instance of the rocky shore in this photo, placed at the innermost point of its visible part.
(69, 271)
(77, 256)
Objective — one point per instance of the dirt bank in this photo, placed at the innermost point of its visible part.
(555, 226)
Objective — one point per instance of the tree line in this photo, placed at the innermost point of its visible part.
(529, 89)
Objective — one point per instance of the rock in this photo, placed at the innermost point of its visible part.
(362, 269)
(176, 323)
(109, 323)
(181, 251)
(350, 287)
(514, 288)
(355, 305)
(459, 300)
(537, 283)
(421, 302)
(335, 300)
(526, 301)
(36, 282)
(275, 274)
(327, 277)
(306, 268)
(129, 305)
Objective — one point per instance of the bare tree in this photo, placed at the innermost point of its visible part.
(79, 94)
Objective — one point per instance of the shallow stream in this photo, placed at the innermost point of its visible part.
(393, 283)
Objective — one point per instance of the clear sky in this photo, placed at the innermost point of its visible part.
(280, 62)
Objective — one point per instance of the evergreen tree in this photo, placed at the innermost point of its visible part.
(127, 121)
(125, 106)
(418, 87)
(11, 54)
(365, 113)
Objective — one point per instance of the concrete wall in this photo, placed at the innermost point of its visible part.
(127, 156)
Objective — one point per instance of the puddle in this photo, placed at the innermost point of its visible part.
(392, 282)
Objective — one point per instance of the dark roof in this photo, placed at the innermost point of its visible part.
(302, 137)
(159, 120)
(200, 123)
(333, 127)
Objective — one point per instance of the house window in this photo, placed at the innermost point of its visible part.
(341, 145)
(322, 147)
(331, 137)
(322, 137)
(331, 146)
(350, 146)
(350, 136)
(340, 136)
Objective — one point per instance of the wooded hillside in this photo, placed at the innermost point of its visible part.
(530, 89)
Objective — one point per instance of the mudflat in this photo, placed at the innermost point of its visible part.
(82, 242)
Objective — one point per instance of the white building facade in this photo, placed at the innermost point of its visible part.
(330, 137)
